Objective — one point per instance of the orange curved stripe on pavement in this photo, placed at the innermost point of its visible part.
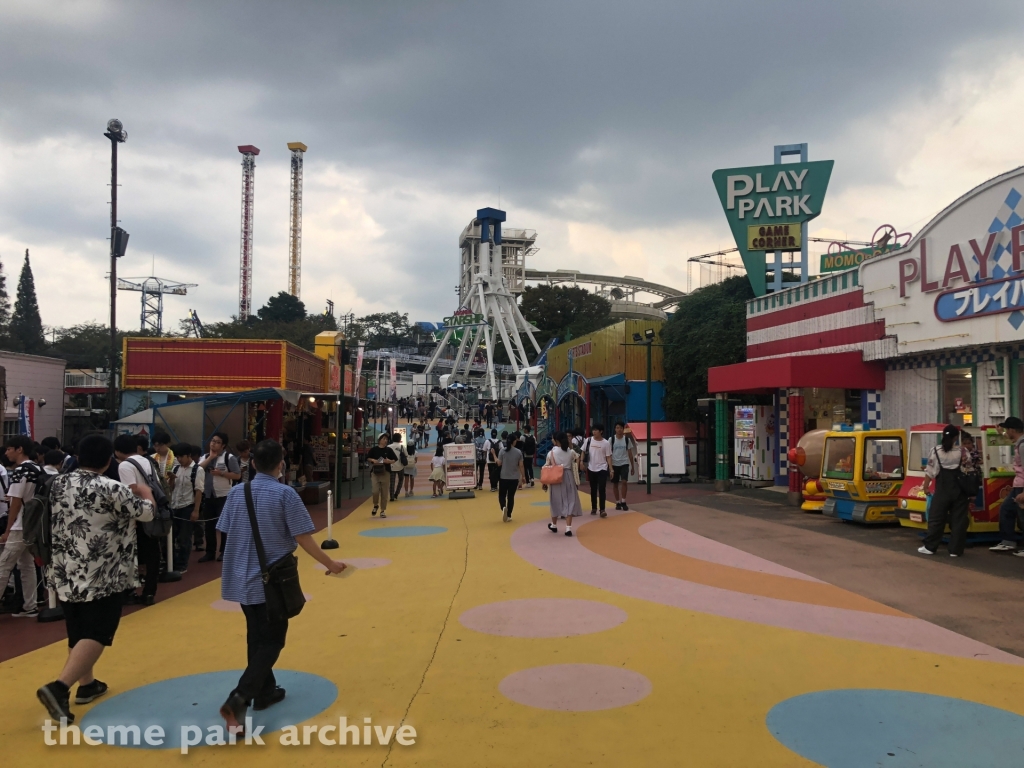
(618, 538)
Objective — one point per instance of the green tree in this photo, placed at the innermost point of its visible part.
(382, 330)
(561, 310)
(5, 306)
(283, 308)
(26, 327)
(708, 329)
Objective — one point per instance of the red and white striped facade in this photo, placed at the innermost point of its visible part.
(826, 316)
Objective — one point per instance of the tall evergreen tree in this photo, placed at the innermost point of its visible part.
(5, 306)
(26, 328)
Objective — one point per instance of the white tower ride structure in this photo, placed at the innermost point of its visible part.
(487, 307)
(249, 153)
(298, 149)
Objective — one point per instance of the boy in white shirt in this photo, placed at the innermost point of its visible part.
(24, 477)
(599, 456)
(134, 470)
(186, 503)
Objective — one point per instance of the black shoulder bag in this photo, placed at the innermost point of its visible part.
(280, 579)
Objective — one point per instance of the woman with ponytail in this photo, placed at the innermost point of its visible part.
(948, 476)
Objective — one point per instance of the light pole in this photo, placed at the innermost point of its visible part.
(118, 241)
(647, 340)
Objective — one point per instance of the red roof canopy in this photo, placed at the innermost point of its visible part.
(840, 370)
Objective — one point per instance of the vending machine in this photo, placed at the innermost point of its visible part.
(755, 442)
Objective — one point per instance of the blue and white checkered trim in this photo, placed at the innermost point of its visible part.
(783, 430)
(871, 408)
(1011, 214)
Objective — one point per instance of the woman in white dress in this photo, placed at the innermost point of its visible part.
(565, 497)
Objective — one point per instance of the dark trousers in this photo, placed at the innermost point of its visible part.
(264, 641)
(949, 504)
(182, 537)
(396, 484)
(507, 494)
(212, 508)
(1009, 514)
(149, 556)
(528, 467)
(480, 467)
(598, 485)
(493, 474)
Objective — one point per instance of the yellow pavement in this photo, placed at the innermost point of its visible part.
(390, 639)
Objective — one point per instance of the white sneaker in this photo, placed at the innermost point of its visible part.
(504, 515)
(1001, 547)
(1019, 553)
(953, 555)
(925, 551)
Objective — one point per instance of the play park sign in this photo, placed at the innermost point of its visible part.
(765, 206)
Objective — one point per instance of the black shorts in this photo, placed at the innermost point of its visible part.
(620, 473)
(94, 620)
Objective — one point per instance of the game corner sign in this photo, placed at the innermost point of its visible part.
(766, 205)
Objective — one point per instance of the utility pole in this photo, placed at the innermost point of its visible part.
(117, 135)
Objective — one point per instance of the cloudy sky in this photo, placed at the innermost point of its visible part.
(596, 123)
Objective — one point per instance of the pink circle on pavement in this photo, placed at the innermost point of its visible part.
(233, 607)
(543, 617)
(575, 687)
(360, 562)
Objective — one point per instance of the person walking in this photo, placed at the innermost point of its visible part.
(528, 444)
(492, 446)
(222, 471)
(948, 465)
(481, 459)
(597, 453)
(564, 496)
(623, 462)
(135, 471)
(410, 471)
(284, 525)
(186, 503)
(25, 476)
(1010, 511)
(511, 477)
(93, 520)
(398, 468)
(437, 476)
(381, 458)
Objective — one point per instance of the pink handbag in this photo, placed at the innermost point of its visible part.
(551, 474)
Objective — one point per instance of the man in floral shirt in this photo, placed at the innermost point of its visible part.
(93, 562)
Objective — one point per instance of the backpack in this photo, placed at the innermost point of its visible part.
(35, 520)
(529, 445)
(162, 521)
(403, 457)
(481, 452)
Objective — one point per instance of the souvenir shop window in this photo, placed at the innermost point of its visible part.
(957, 396)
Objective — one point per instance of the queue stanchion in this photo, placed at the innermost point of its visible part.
(329, 542)
(170, 574)
(52, 611)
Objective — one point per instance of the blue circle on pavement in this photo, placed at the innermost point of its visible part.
(540, 503)
(851, 728)
(400, 531)
(195, 700)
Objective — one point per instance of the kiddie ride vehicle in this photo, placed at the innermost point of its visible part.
(997, 474)
(807, 457)
(861, 473)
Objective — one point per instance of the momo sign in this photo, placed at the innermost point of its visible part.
(762, 196)
(960, 281)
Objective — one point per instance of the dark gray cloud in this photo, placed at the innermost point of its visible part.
(585, 111)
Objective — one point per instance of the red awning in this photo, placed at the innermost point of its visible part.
(841, 370)
(660, 429)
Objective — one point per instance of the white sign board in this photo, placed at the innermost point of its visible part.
(960, 281)
(460, 466)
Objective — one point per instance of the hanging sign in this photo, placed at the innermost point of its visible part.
(755, 197)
